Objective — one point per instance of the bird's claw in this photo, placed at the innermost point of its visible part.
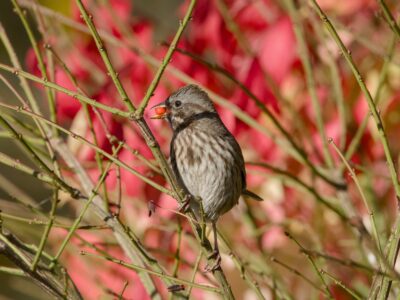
(183, 207)
(216, 264)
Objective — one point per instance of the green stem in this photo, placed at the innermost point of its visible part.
(73, 192)
(314, 264)
(46, 232)
(20, 255)
(363, 197)
(242, 267)
(348, 263)
(311, 85)
(85, 106)
(377, 249)
(158, 274)
(195, 269)
(299, 274)
(88, 203)
(338, 95)
(177, 255)
(334, 73)
(383, 76)
(389, 18)
(307, 187)
(16, 164)
(342, 285)
(68, 92)
(383, 284)
(12, 271)
(15, 62)
(38, 54)
(30, 139)
(103, 52)
(26, 88)
(166, 60)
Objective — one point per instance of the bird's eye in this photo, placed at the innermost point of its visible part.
(178, 103)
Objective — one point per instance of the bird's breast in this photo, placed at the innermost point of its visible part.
(208, 166)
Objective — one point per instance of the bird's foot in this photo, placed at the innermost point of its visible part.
(184, 206)
(216, 264)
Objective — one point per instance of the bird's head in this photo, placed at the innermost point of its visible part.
(183, 105)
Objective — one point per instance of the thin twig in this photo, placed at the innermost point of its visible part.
(307, 187)
(389, 18)
(161, 275)
(16, 164)
(195, 270)
(103, 52)
(313, 263)
(383, 76)
(166, 60)
(10, 247)
(363, 197)
(298, 273)
(57, 180)
(47, 230)
(348, 263)
(342, 285)
(88, 202)
(311, 85)
(68, 92)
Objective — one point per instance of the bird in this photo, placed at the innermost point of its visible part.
(205, 157)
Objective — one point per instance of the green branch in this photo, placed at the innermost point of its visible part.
(88, 202)
(166, 60)
(103, 52)
(311, 84)
(57, 180)
(389, 18)
(68, 92)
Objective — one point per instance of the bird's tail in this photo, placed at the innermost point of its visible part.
(252, 195)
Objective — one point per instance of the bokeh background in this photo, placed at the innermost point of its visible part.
(256, 59)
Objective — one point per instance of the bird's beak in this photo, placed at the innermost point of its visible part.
(161, 111)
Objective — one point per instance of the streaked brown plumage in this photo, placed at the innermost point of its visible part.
(204, 155)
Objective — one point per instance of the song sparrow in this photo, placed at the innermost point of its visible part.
(205, 157)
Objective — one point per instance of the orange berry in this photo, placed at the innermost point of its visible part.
(160, 110)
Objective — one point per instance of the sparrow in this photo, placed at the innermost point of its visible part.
(204, 156)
